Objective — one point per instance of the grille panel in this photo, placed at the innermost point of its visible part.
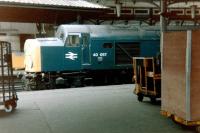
(125, 51)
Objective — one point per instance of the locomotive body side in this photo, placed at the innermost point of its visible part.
(78, 53)
(116, 51)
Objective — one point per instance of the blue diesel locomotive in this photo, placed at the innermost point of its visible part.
(84, 54)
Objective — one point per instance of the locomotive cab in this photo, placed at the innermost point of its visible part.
(76, 51)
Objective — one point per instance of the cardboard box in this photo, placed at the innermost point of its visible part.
(18, 60)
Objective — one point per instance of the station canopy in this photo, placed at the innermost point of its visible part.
(47, 11)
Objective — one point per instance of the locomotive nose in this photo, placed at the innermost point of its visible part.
(29, 62)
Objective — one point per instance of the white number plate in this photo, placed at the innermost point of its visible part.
(99, 54)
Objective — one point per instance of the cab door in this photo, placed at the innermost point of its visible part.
(72, 52)
(86, 57)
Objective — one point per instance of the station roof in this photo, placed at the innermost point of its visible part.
(52, 4)
(48, 11)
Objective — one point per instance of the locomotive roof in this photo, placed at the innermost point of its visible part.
(106, 31)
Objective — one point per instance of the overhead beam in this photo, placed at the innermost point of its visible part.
(179, 1)
(17, 14)
(61, 16)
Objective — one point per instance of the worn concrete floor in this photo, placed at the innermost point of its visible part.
(106, 109)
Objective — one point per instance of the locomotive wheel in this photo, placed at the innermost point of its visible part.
(87, 81)
(51, 84)
(26, 84)
(78, 82)
(31, 84)
(116, 81)
(140, 97)
(33, 87)
(67, 83)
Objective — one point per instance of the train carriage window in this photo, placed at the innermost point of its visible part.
(107, 45)
(73, 40)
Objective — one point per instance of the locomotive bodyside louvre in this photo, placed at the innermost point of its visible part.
(124, 51)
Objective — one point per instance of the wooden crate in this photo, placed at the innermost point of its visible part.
(147, 77)
(181, 75)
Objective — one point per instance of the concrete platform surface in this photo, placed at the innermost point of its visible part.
(105, 109)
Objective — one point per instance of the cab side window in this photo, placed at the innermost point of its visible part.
(73, 40)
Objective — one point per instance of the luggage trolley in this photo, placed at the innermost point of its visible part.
(147, 77)
(8, 96)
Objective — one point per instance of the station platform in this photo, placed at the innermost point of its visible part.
(102, 109)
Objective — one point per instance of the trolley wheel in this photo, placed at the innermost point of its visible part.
(8, 108)
(153, 99)
(198, 129)
(140, 97)
(14, 105)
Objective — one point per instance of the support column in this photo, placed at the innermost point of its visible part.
(163, 9)
(163, 27)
